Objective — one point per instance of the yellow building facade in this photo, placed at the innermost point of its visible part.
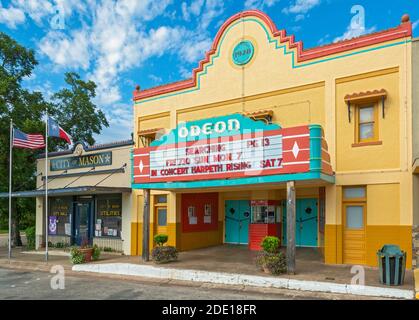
(357, 91)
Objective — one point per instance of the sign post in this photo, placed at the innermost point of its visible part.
(146, 226)
(10, 188)
(46, 187)
(291, 227)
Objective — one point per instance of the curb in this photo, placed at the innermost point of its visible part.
(33, 266)
(242, 279)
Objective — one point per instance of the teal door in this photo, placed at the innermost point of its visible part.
(305, 224)
(237, 219)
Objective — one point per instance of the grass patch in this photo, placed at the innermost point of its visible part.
(3, 231)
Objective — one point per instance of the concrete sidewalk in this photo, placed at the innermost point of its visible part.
(4, 239)
(236, 279)
(224, 265)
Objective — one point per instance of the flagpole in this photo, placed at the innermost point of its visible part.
(46, 187)
(10, 187)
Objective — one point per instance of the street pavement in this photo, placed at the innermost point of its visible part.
(37, 285)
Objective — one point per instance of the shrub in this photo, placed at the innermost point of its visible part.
(60, 245)
(270, 244)
(161, 239)
(76, 256)
(274, 263)
(163, 254)
(96, 253)
(30, 237)
(107, 249)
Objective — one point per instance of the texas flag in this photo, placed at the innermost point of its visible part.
(54, 130)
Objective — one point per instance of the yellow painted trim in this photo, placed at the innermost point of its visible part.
(196, 240)
(254, 97)
(153, 116)
(367, 75)
(134, 237)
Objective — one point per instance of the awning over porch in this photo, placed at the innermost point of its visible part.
(74, 191)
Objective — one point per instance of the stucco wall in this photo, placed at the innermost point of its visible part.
(415, 88)
(313, 93)
(120, 156)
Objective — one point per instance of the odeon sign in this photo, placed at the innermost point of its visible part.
(209, 128)
(230, 147)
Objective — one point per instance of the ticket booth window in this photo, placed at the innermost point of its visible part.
(265, 221)
(265, 214)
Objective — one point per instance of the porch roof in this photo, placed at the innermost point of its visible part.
(74, 191)
(314, 177)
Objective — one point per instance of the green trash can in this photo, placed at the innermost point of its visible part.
(392, 264)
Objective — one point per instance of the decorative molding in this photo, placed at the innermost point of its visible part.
(364, 144)
(402, 31)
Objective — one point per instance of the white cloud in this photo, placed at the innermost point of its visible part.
(259, 4)
(194, 9)
(120, 124)
(113, 42)
(354, 32)
(11, 16)
(155, 79)
(35, 9)
(39, 10)
(299, 17)
(323, 40)
(213, 9)
(301, 6)
(193, 51)
(69, 50)
(185, 73)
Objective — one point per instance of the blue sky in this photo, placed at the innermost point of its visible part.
(119, 44)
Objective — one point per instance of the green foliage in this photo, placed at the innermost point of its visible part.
(72, 107)
(274, 263)
(30, 237)
(107, 249)
(76, 256)
(270, 244)
(164, 254)
(96, 253)
(161, 239)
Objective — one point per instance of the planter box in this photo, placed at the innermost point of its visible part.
(88, 252)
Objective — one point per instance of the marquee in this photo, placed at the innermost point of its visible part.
(224, 148)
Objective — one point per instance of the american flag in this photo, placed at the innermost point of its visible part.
(30, 141)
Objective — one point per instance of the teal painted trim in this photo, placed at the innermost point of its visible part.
(277, 47)
(315, 147)
(236, 182)
(327, 178)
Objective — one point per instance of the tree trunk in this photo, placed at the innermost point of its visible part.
(16, 240)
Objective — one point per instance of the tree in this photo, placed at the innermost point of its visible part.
(72, 107)
(25, 108)
(75, 110)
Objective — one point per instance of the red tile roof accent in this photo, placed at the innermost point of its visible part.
(366, 95)
(149, 131)
(402, 31)
(256, 113)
